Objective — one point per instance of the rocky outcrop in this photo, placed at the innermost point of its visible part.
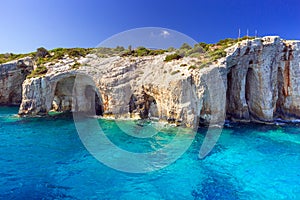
(12, 76)
(130, 87)
(263, 80)
(257, 81)
(55, 92)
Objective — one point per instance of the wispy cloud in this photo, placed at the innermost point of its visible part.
(165, 33)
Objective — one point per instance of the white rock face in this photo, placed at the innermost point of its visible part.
(257, 81)
(12, 75)
(132, 87)
(263, 80)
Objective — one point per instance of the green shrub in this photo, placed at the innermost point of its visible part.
(192, 67)
(185, 46)
(170, 57)
(204, 46)
(76, 53)
(39, 71)
(216, 54)
(182, 52)
(59, 53)
(197, 49)
(142, 51)
(175, 72)
(230, 41)
(6, 57)
(226, 42)
(170, 49)
(41, 52)
(157, 52)
(76, 65)
(119, 48)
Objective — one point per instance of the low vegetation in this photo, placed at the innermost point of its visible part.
(60, 53)
(76, 65)
(206, 54)
(175, 72)
(174, 56)
(104, 52)
(142, 51)
(6, 57)
(43, 56)
(192, 67)
(39, 71)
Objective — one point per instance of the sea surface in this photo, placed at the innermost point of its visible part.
(44, 158)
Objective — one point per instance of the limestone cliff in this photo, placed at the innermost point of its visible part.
(12, 76)
(258, 80)
(263, 80)
(131, 87)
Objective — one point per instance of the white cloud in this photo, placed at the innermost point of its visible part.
(164, 33)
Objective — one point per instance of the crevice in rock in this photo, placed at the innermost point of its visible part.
(96, 103)
(247, 51)
(281, 93)
(205, 112)
(228, 93)
(249, 90)
(283, 83)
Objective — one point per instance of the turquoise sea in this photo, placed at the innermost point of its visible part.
(43, 158)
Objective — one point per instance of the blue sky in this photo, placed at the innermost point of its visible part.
(27, 25)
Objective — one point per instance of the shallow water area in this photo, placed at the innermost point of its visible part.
(43, 158)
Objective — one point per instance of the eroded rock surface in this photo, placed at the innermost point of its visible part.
(263, 80)
(131, 87)
(12, 76)
(257, 81)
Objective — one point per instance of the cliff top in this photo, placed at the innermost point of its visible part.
(197, 57)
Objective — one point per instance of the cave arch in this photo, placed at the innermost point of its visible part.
(86, 99)
(144, 105)
(62, 100)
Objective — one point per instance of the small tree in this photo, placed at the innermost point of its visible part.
(170, 49)
(129, 48)
(120, 48)
(41, 52)
(203, 45)
(185, 46)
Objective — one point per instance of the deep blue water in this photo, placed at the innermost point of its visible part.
(43, 158)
